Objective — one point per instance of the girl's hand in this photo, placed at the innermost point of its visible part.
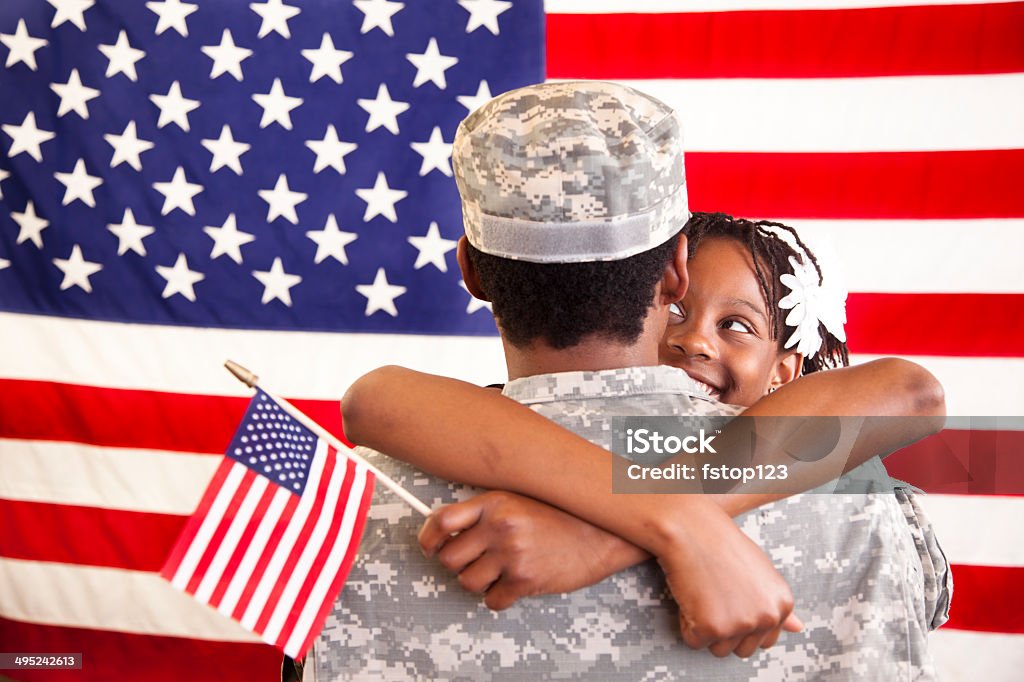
(731, 599)
(508, 546)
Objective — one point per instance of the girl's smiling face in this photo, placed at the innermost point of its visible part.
(720, 333)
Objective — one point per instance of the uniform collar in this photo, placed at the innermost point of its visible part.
(606, 383)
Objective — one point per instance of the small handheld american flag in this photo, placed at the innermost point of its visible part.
(277, 530)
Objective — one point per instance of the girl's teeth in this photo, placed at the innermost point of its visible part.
(707, 389)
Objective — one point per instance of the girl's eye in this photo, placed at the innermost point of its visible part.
(737, 326)
(676, 313)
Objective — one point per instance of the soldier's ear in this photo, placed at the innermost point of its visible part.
(469, 273)
(676, 279)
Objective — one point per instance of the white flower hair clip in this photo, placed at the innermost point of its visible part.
(812, 301)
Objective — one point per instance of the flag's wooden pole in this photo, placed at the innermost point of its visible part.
(251, 380)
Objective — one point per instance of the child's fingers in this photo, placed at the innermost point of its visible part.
(501, 595)
(463, 549)
(791, 624)
(694, 640)
(480, 575)
(447, 521)
(749, 644)
(694, 637)
(771, 638)
(724, 647)
(742, 647)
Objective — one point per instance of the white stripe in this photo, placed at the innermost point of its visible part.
(975, 386)
(977, 529)
(111, 478)
(230, 542)
(255, 551)
(897, 113)
(904, 256)
(962, 656)
(213, 517)
(331, 566)
(1004, 423)
(303, 567)
(287, 544)
(191, 360)
(108, 599)
(672, 6)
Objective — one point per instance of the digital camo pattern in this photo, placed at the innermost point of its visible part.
(850, 559)
(938, 578)
(578, 153)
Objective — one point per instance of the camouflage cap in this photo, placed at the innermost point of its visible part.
(571, 172)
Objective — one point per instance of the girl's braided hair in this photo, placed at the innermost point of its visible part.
(770, 253)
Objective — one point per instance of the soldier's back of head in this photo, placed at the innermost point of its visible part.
(572, 196)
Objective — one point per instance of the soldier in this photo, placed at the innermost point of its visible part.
(612, 156)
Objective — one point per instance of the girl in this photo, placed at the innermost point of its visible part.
(755, 317)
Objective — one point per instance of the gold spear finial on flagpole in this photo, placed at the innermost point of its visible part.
(242, 374)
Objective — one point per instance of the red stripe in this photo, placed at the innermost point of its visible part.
(243, 545)
(196, 520)
(298, 545)
(117, 417)
(888, 41)
(897, 185)
(346, 564)
(871, 319)
(87, 535)
(213, 545)
(974, 462)
(42, 410)
(110, 656)
(976, 325)
(301, 599)
(987, 599)
(961, 462)
(280, 526)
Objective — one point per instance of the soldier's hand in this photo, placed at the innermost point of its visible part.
(509, 546)
(731, 599)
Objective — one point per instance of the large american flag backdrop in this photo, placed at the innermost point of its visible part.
(187, 182)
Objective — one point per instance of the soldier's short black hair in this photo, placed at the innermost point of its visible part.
(770, 253)
(565, 303)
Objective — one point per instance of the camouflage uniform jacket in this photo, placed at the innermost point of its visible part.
(851, 560)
